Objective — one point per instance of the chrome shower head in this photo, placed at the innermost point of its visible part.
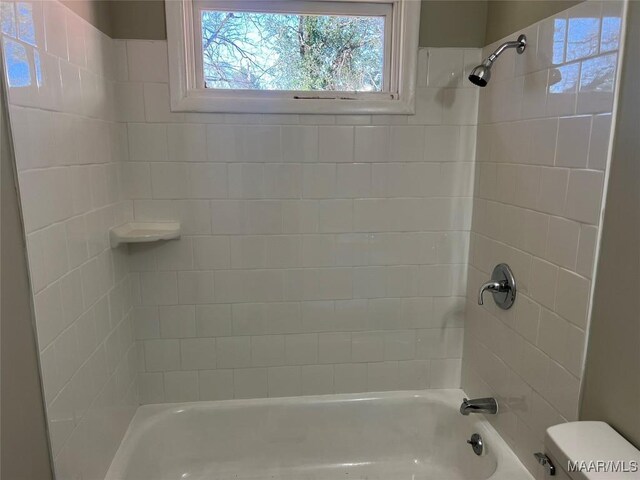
(481, 74)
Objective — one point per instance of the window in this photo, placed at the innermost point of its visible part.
(306, 51)
(293, 56)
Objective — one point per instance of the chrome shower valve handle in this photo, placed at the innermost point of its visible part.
(502, 286)
(492, 287)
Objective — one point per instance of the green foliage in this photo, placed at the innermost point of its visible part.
(292, 52)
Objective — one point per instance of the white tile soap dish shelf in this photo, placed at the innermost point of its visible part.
(140, 232)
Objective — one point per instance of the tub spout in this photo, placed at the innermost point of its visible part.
(479, 405)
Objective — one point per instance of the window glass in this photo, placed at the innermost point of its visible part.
(280, 51)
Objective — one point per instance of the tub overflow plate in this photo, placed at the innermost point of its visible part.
(476, 443)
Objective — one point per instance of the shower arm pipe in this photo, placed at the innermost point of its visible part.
(518, 44)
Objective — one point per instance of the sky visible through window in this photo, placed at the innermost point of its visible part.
(275, 51)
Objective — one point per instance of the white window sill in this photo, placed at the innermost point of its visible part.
(198, 101)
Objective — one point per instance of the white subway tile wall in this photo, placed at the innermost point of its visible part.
(70, 150)
(537, 202)
(321, 254)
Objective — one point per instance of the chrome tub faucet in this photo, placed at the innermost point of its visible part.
(479, 405)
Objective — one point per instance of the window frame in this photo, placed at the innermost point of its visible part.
(401, 41)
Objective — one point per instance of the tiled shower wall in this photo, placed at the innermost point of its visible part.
(543, 135)
(69, 151)
(319, 254)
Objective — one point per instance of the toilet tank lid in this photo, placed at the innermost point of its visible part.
(591, 442)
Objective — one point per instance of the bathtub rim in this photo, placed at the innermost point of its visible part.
(509, 466)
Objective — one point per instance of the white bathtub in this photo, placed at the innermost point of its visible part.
(381, 436)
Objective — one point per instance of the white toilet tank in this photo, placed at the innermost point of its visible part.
(590, 451)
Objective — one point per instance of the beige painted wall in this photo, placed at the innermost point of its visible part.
(141, 19)
(96, 12)
(443, 23)
(453, 23)
(504, 17)
(25, 451)
(612, 379)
